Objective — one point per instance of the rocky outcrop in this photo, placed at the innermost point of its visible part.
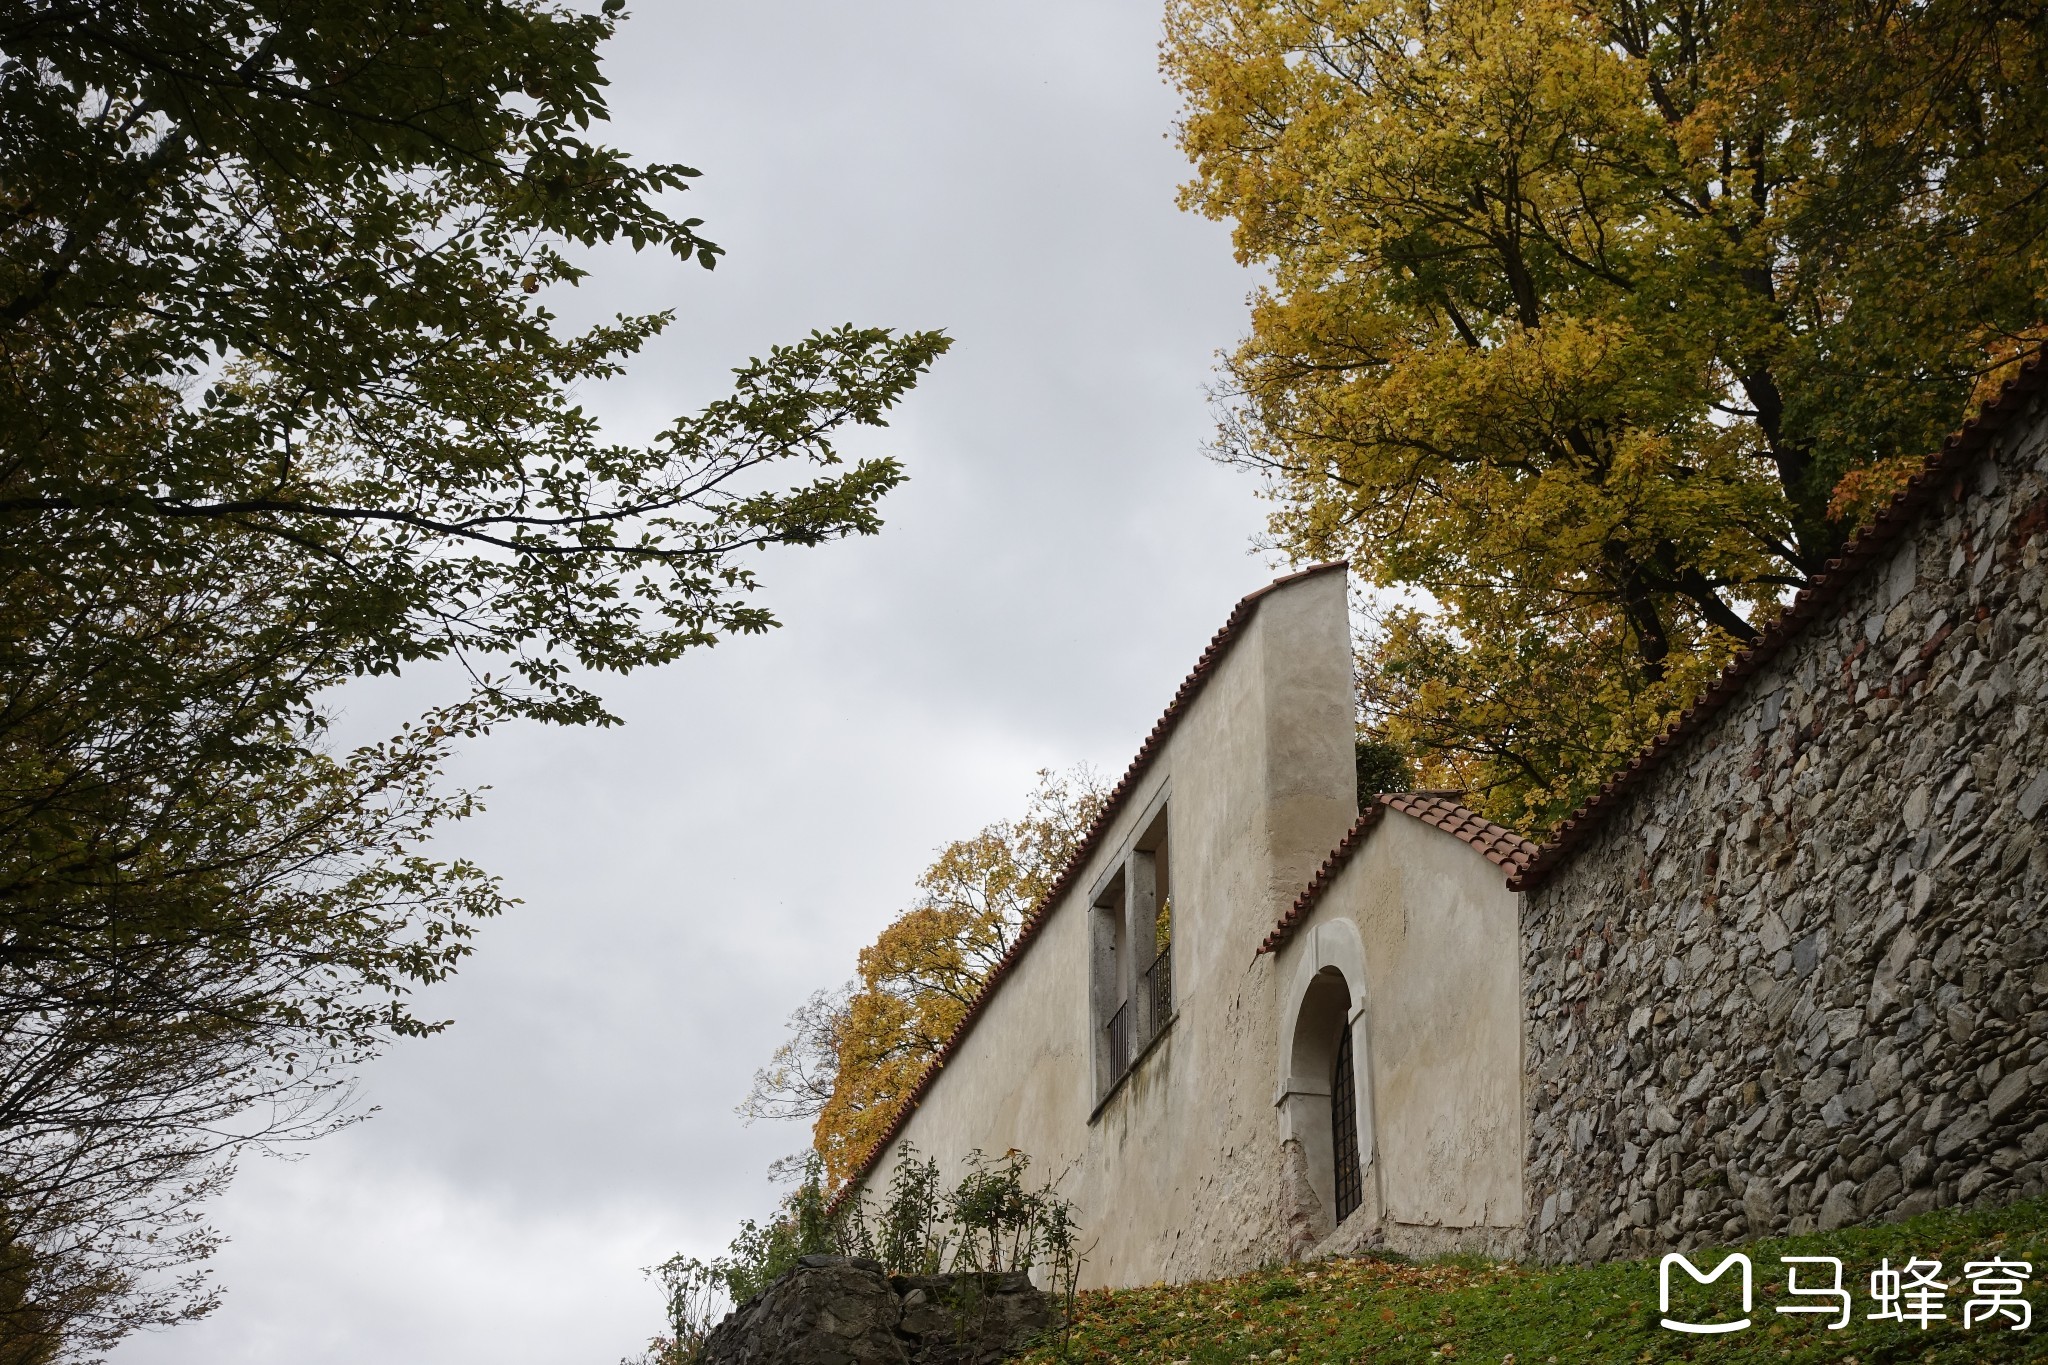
(958, 1319)
(1796, 979)
(840, 1310)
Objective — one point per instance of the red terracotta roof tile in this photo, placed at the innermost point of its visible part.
(1812, 602)
(1219, 645)
(1501, 847)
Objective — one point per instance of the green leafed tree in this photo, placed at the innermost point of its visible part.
(1601, 322)
(283, 403)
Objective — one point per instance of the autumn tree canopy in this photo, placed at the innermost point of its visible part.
(853, 1055)
(1597, 323)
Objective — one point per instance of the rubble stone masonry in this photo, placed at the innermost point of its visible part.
(1796, 978)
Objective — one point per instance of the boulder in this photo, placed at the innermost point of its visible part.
(841, 1310)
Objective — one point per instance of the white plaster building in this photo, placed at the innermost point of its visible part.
(1761, 983)
(1264, 1071)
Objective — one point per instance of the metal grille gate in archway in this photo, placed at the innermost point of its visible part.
(1344, 1128)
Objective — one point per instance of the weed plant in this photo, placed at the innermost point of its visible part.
(993, 1221)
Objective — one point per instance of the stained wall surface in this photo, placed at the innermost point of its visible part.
(1176, 1174)
(1797, 978)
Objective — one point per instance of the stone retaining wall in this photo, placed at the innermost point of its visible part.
(842, 1310)
(1797, 979)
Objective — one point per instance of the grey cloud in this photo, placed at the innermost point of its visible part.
(1056, 563)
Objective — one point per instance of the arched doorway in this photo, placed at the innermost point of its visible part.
(1325, 1102)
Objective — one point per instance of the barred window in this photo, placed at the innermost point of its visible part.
(1131, 936)
(1344, 1128)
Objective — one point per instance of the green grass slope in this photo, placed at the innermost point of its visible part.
(1390, 1310)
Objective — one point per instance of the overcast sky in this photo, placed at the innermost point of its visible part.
(1049, 574)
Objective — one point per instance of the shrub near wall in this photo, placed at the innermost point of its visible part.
(1795, 978)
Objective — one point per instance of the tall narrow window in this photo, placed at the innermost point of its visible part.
(1131, 952)
(1112, 972)
(1159, 976)
(1152, 916)
(1344, 1129)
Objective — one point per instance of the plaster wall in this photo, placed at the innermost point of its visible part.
(1176, 1174)
(1790, 981)
(1794, 981)
(1436, 1037)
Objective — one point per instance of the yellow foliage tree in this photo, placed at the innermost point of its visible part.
(1578, 314)
(852, 1056)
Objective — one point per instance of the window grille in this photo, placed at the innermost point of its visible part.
(1159, 987)
(1130, 996)
(1344, 1129)
(1119, 1028)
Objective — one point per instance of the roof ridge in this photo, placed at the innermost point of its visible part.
(1112, 805)
(1957, 448)
(1498, 844)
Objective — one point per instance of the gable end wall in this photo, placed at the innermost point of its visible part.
(1797, 979)
(1177, 1174)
